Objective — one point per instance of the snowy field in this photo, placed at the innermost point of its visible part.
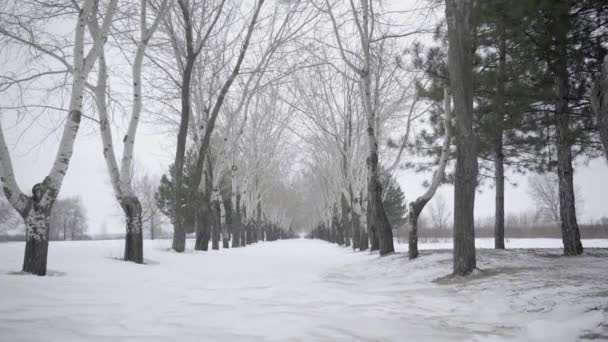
(303, 290)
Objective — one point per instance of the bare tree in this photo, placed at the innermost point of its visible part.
(36, 209)
(362, 67)
(68, 219)
(208, 14)
(121, 178)
(544, 190)
(440, 212)
(151, 215)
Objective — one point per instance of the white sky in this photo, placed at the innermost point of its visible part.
(87, 175)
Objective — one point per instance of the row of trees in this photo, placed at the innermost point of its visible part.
(511, 85)
(254, 91)
(222, 94)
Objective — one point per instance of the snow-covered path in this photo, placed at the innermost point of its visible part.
(299, 290)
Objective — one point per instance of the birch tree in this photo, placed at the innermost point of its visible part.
(36, 209)
(121, 178)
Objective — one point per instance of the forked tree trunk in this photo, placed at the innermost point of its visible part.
(134, 244)
(36, 211)
(570, 232)
(36, 238)
(460, 65)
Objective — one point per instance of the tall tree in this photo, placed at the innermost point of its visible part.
(122, 177)
(460, 66)
(36, 209)
(208, 13)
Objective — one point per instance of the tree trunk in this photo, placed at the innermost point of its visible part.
(36, 239)
(363, 235)
(203, 223)
(570, 233)
(460, 65)
(499, 180)
(380, 224)
(499, 175)
(599, 103)
(237, 223)
(215, 233)
(179, 232)
(356, 229)
(134, 250)
(346, 222)
(374, 244)
(415, 208)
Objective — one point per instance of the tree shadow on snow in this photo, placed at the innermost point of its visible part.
(49, 273)
(478, 274)
(146, 261)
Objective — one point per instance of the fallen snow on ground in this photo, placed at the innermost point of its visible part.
(303, 290)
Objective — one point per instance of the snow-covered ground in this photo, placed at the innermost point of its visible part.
(303, 290)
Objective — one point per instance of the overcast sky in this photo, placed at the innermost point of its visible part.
(87, 175)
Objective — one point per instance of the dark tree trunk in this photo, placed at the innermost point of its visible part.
(599, 103)
(179, 232)
(134, 244)
(217, 226)
(374, 245)
(460, 65)
(499, 174)
(227, 228)
(36, 238)
(346, 222)
(356, 228)
(236, 236)
(499, 180)
(414, 212)
(570, 232)
(337, 226)
(380, 226)
(203, 223)
(237, 224)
